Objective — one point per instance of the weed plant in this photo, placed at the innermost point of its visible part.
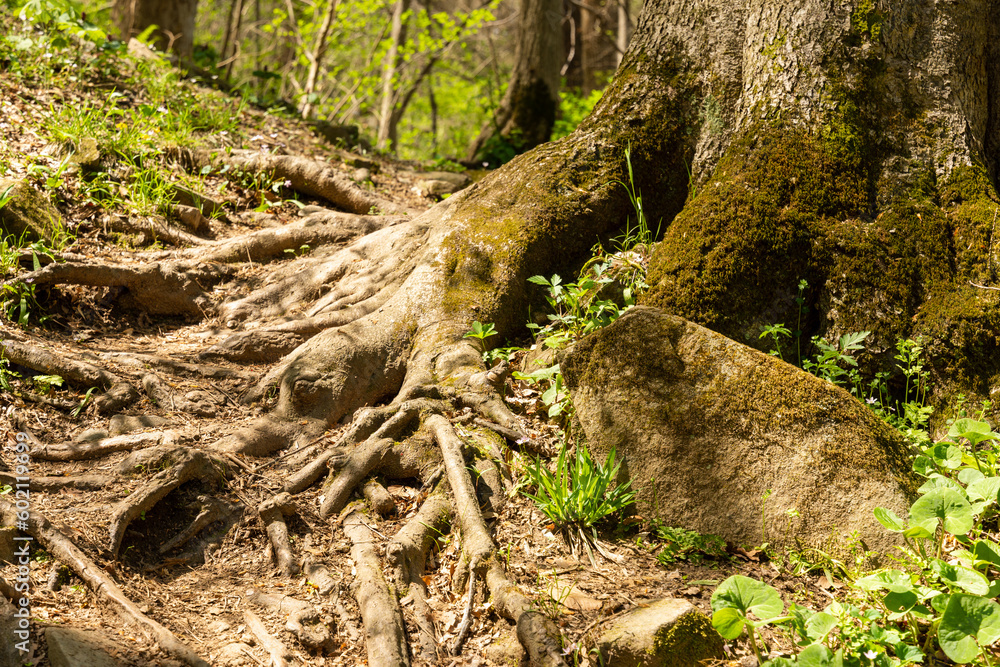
(579, 494)
(938, 597)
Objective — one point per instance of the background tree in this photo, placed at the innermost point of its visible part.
(175, 21)
(528, 110)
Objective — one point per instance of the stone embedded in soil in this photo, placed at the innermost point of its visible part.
(707, 428)
(9, 652)
(70, 647)
(28, 214)
(122, 424)
(7, 543)
(666, 632)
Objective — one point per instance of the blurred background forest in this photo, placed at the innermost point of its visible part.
(417, 78)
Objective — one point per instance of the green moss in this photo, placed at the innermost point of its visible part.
(691, 635)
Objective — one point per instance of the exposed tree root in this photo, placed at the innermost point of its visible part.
(186, 464)
(538, 634)
(378, 498)
(406, 554)
(309, 177)
(151, 230)
(272, 512)
(64, 550)
(146, 360)
(362, 461)
(280, 655)
(210, 510)
(319, 577)
(303, 479)
(161, 288)
(385, 637)
(304, 620)
(82, 451)
(118, 394)
(78, 482)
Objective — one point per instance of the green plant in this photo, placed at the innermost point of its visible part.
(302, 249)
(6, 375)
(687, 545)
(832, 359)
(83, 403)
(733, 603)
(555, 396)
(18, 302)
(580, 493)
(45, 383)
(775, 332)
(481, 332)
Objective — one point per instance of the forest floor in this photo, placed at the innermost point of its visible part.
(201, 593)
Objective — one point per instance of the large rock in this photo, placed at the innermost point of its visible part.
(665, 633)
(706, 427)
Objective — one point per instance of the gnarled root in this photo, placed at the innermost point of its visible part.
(406, 554)
(309, 177)
(65, 551)
(118, 395)
(385, 637)
(82, 451)
(362, 461)
(160, 288)
(187, 464)
(273, 512)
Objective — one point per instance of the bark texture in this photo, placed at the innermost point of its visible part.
(175, 21)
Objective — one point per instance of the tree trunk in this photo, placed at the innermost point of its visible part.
(528, 109)
(175, 21)
(387, 118)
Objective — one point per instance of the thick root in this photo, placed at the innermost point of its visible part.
(310, 177)
(280, 655)
(65, 551)
(82, 451)
(385, 637)
(273, 512)
(406, 554)
(362, 461)
(187, 464)
(161, 288)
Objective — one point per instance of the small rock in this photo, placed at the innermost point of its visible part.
(91, 435)
(121, 424)
(668, 631)
(185, 196)
(219, 627)
(362, 175)
(505, 651)
(361, 163)
(86, 154)
(70, 647)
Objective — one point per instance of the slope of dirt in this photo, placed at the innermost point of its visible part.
(168, 355)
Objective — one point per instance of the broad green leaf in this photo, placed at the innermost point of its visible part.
(987, 550)
(923, 530)
(748, 595)
(972, 430)
(900, 602)
(894, 580)
(984, 489)
(946, 456)
(888, 518)
(970, 475)
(923, 465)
(964, 578)
(939, 482)
(908, 653)
(816, 655)
(969, 623)
(947, 505)
(728, 622)
(819, 625)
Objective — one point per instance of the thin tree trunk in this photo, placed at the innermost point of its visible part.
(387, 121)
(236, 40)
(316, 58)
(623, 31)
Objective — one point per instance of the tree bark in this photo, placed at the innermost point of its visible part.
(175, 21)
(528, 110)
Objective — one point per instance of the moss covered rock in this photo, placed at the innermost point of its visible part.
(665, 633)
(28, 214)
(706, 428)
